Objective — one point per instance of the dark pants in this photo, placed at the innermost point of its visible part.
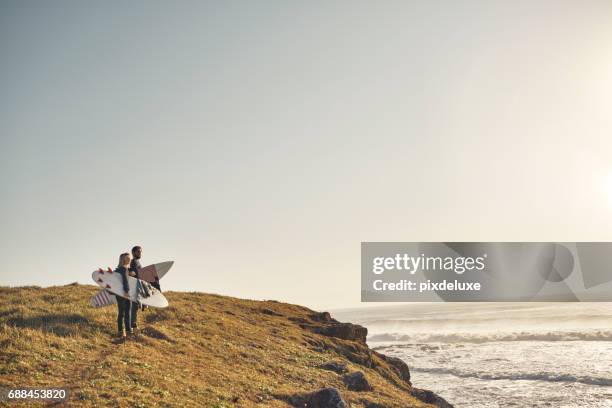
(134, 315)
(123, 314)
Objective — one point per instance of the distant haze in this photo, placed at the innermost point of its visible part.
(257, 144)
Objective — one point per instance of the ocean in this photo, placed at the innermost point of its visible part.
(480, 355)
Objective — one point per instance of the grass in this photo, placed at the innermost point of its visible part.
(204, 350)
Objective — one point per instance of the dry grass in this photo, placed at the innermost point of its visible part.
(203, 351)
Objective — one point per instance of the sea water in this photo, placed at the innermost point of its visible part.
(499, 354)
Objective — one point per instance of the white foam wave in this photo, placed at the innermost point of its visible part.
(595, 335)
(550, 377)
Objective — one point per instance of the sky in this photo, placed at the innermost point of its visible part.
(257, 144)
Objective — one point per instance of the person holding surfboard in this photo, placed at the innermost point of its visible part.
(123, 303)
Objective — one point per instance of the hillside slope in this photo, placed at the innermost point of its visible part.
(203, 351)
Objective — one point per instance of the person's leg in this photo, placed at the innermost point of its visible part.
(121, 315)
(134, 316)
(128, 315)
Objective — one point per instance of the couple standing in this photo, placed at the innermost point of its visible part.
(127, 311)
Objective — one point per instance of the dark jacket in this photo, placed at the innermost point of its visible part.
(121, 270)
(135, 267)
(143, 287)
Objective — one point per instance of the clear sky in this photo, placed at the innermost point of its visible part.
(257, 143)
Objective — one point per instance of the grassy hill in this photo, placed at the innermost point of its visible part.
(203, 351)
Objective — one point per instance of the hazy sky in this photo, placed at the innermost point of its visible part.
(257, 143)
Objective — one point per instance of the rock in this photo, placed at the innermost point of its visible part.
(356, 353)
(315, 343)
(357, 382)
(323, 323)
(335, 366)
(324, 398)
(430, 397)
(322, 317)
(398, 366)
(344, 331)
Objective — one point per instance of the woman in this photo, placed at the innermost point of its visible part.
(123, 304)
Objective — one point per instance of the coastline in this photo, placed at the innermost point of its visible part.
(476, 354)
(203, 350)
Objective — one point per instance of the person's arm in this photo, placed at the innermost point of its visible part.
(123, 273)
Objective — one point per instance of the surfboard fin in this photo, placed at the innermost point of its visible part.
(100, 270)
(108, 286)
(100, 280)
(109, 270)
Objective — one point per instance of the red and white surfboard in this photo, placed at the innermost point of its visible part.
(153, 273)
(103, 298)
(150, 273)
(113, 282)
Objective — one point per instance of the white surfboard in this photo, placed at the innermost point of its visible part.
(112, 282)
(149, 273)
(103, 298)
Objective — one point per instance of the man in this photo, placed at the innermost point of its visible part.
(135, 268)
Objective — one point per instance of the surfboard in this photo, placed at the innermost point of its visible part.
(102, 298)
(112, 282)
(158, 270)
(153, 273)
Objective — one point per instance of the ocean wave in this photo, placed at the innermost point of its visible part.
(445, 319)
(549, 377)
(595, 335)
